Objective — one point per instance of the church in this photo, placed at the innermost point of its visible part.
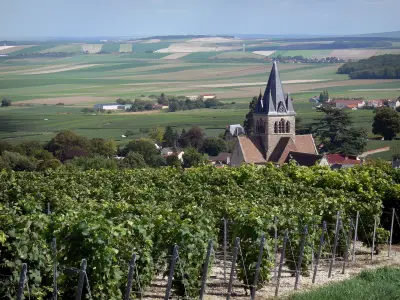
(274, 137)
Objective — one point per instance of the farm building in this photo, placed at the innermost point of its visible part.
(192, 97)
(112, 106)
(274, 136)
(346, 103)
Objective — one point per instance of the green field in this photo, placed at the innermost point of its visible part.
(382, 283)
(83, 80)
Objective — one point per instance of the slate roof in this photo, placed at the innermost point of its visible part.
(303, 159)
(274, 101)
(235, 129)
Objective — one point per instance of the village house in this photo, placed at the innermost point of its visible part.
(375, 103)
(233, 131)
(223, 158)
(274, 134)
(168, 151)
(348, 103)
(314, 99)
(339, 161)
(393, 104)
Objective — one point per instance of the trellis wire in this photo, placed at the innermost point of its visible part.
(334, 244)
(254, 287)
(355, 236)
(391, 233)
(321, 242)
(300, 261)
(81, 280)
(281, 263)
(235, 253)
(131, 270)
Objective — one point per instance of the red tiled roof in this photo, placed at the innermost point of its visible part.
(305, 143)
(342, 159)
(352, 106)
(282, 149)
(348, 101)
(252, 150)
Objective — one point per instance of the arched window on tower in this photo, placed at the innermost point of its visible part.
(276, 127)
(281, 126)
(287, 127)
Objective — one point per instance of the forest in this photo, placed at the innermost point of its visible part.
(376, 67)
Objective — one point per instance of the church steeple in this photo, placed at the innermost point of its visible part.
(273, 101)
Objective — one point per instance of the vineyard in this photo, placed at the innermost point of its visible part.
(167, 218)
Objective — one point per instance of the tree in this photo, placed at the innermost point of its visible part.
(157, 134)
(145, 147)
(386, 123)
(28, 148)
(48, 164)
(334, 130)
(16, 162)
(173, 161)
(132, 160)
(5, 102)
(163, 100)
(170, 137)
(193, 138)
(302, 128)
(67, 145)
(192, 158)
(248, 121)
(103, 147)
(4, 146)
(213, 146)
(324, 96)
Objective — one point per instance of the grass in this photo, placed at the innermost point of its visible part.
(110, 47)
(33, 49)
(143, 47)
(383, 283)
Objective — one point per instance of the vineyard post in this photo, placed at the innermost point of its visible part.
(235, 252)
(355, 237)
(281, 263)
(54, 246)
(171, 272)
(225, 242)
(21, 283)
(391, 234)
(276, 244)
(81, 281)
(346, 254)
(253, 288)
(321, 242)
(130, 277)
(373, 241)
(48, 208)
(300, 260)
(337, 230)
(205, 269)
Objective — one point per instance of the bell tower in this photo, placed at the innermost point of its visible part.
(274, 115)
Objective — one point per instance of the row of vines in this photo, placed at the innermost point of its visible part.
(105, 216)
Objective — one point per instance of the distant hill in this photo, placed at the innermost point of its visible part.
(391, 34)
(376, 67)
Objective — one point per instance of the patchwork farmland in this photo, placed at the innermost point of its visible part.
(58, 88)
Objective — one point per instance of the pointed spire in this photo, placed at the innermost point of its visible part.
(274, 95)
(289, 104)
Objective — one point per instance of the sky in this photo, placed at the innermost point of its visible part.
(86, 18)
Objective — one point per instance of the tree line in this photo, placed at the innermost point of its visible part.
(376, 67)
(70, 150)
